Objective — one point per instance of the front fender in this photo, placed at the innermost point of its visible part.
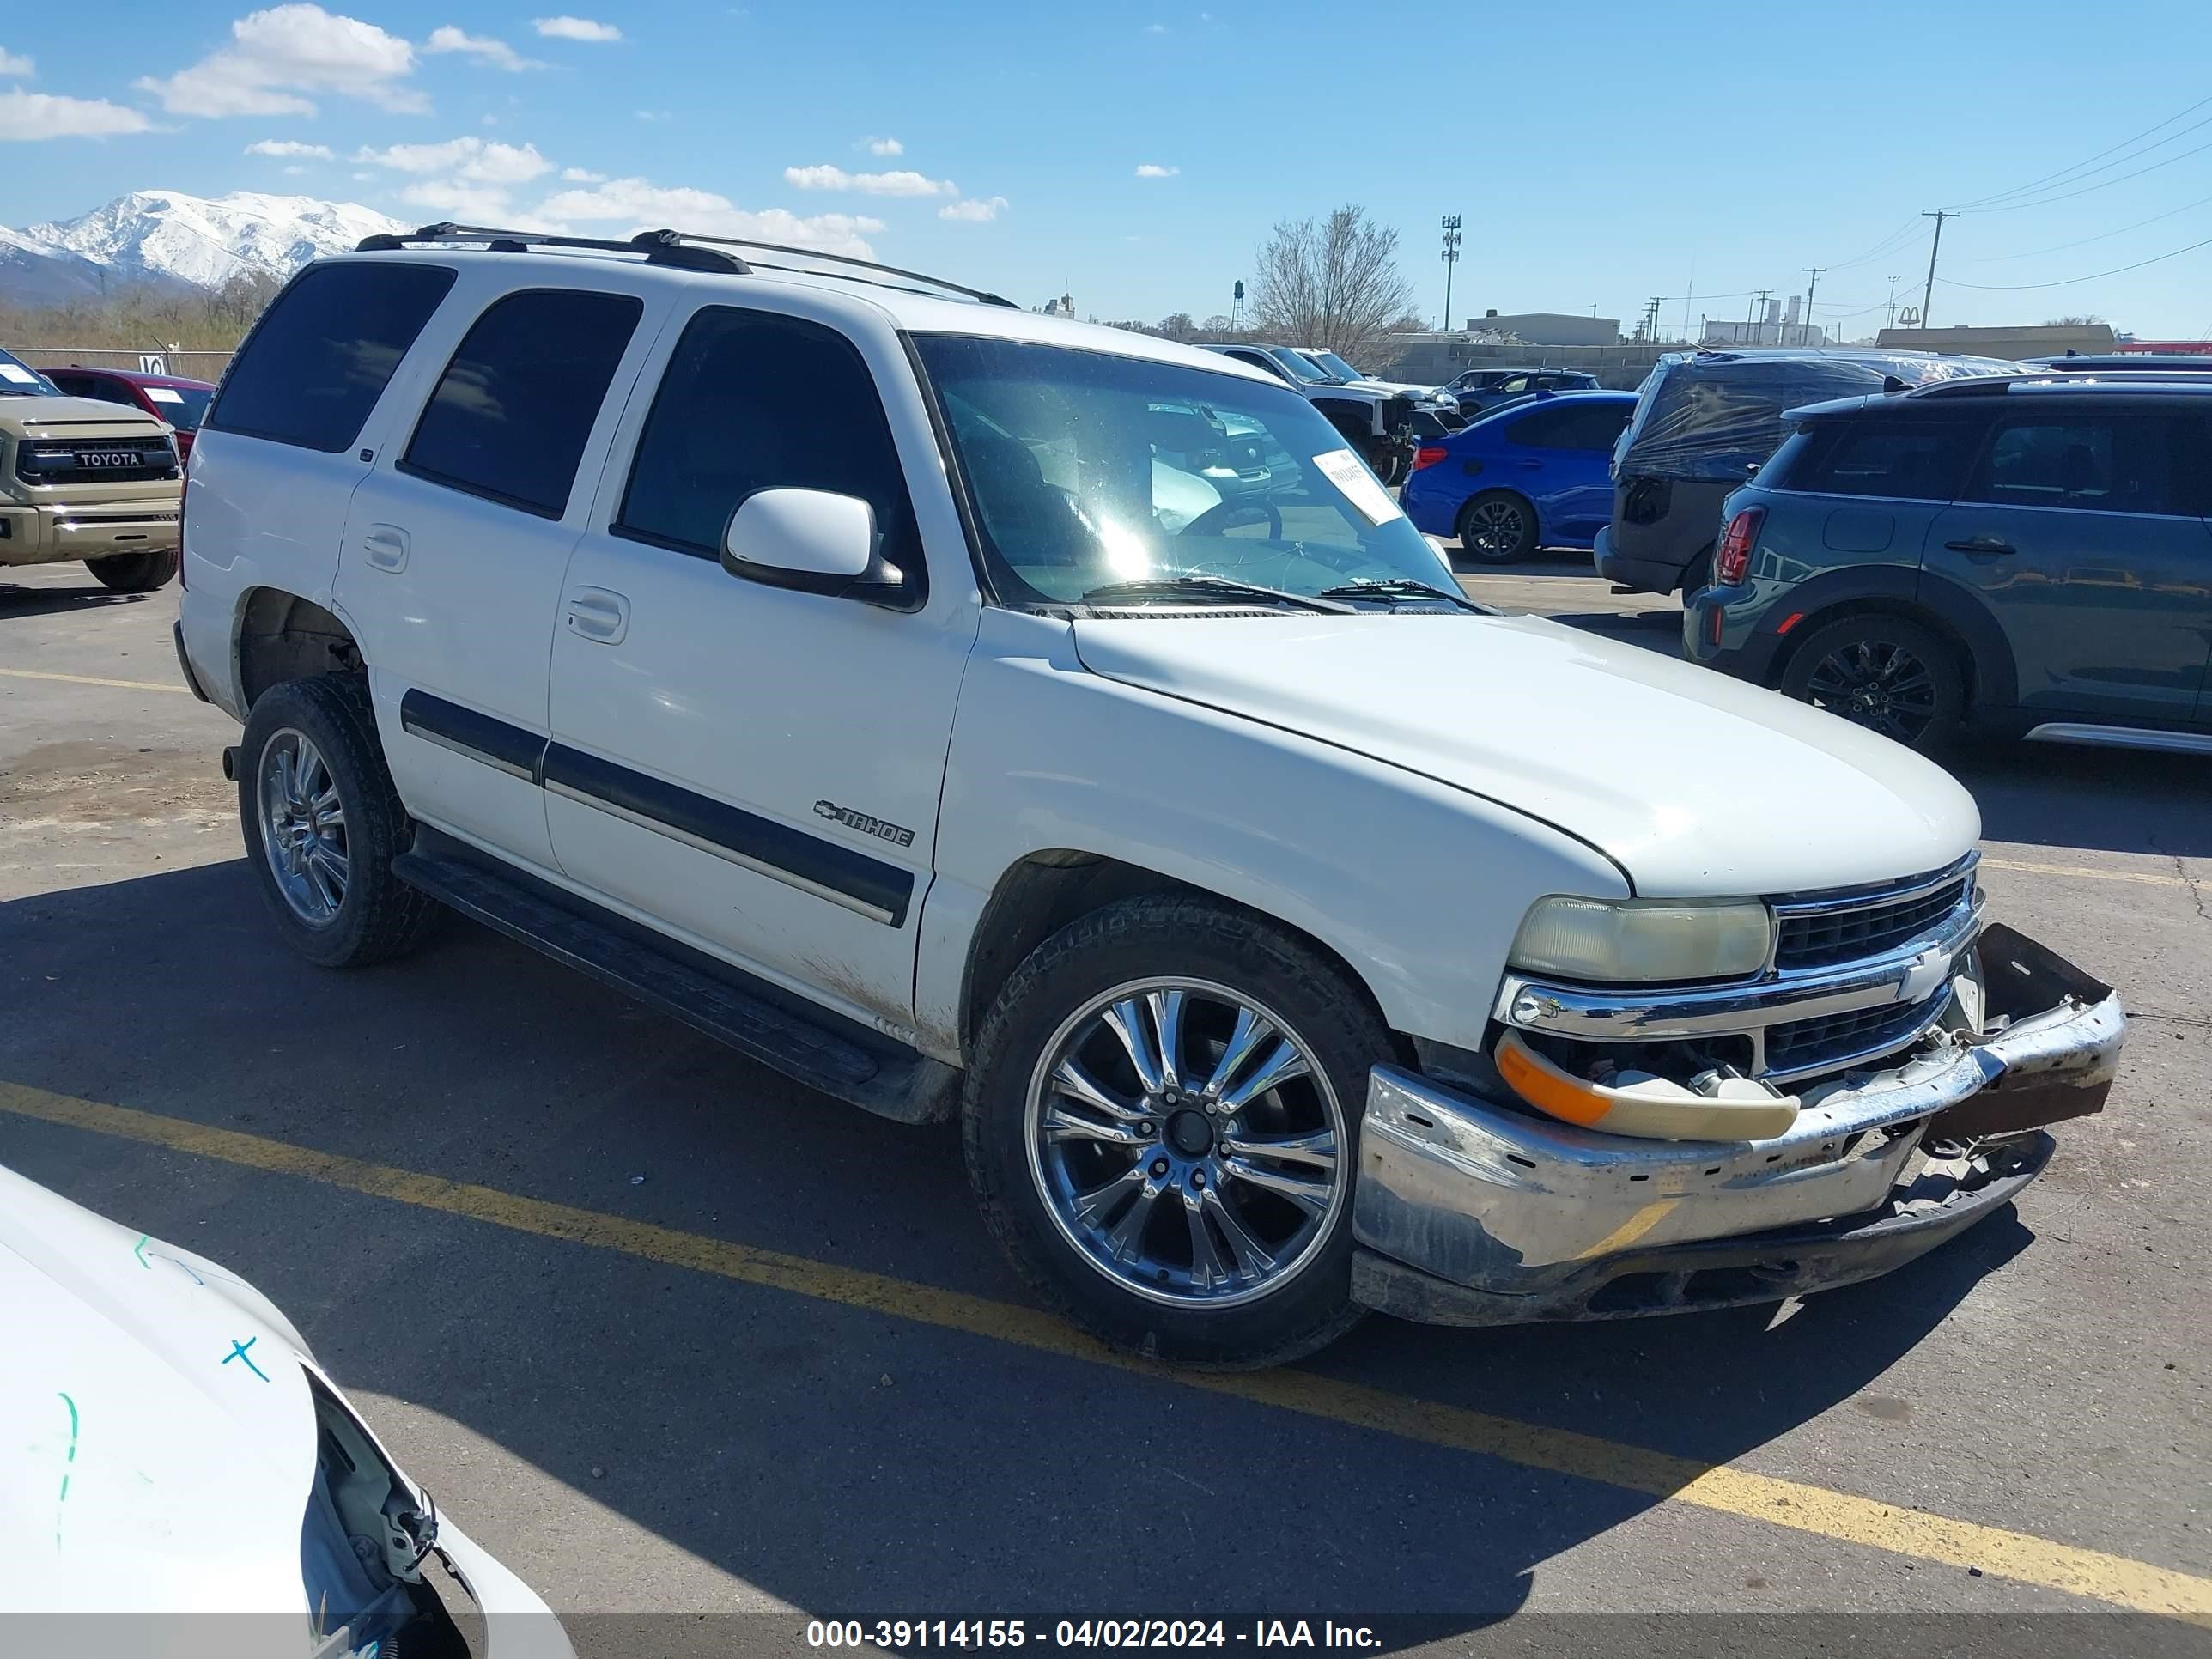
(1419, 886)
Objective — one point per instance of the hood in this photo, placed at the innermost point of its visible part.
(1400, 389)
(144, 1472)
(1697, 784)
(60, 416)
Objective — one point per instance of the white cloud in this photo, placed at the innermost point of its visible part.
(497, 53)
(974, 212)
(31, 115)
(638, 204)
(12, 63)
(1154, 170)
(289, 147)
(294, 172)
(469, 159)
(574, 28)
(873, 146)
(826, 177)
(583, 176)
(276, 55)
(459, 200)
(1156, 29)
(651, 114)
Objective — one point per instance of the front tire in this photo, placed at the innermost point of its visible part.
(1162, 1125)
(135, 572)
(1888, 674)
(323, 823)
(1497, 527)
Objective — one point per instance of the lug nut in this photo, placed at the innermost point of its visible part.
(1159, 1166)
(1148, 1128)
(1198, 1179)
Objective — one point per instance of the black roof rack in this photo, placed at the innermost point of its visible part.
(670, 247)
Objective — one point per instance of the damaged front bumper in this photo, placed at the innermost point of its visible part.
(1472, 1212)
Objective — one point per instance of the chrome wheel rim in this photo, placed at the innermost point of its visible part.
(303, 826)
(1187, 1142)
(1493, 527)
(1879, 685)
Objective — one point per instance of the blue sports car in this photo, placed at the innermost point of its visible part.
(1536, 474)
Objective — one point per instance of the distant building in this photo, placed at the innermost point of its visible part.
(2049, 340)
(1063, 306)
(1720, 331)
(1558, 328)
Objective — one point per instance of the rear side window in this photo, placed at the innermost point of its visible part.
(752, 401)
(323, 351)
(513, 410)
(1922, 460)
(2122, 464)
(1578, 426)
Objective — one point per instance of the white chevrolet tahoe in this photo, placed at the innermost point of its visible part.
(971, 712)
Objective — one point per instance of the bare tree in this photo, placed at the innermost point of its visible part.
(2073, 322)
(1331, 283)
(1218, 326)
(1177, 326)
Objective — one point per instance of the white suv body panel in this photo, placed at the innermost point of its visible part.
(979, 730)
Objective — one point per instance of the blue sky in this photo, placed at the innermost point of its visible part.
(1600, 154)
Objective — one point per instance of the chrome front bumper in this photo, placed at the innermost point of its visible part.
(1473, 1211)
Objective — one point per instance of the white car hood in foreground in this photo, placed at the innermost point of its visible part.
(148, 1468)
(1696, 784)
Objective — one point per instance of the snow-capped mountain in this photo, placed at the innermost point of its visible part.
(165, 236)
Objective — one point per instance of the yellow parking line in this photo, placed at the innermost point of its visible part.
(92, 679)
(2135, 1585)
(2150, 876)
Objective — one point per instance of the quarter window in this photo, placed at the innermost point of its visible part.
(2113, 465)
(1919, 461)
(322, 354)
(752, 401)
(513, 410)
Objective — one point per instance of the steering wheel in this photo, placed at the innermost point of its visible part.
(1222, 515)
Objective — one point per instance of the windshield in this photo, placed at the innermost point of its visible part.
(1336, 366)
(1089, 469)
(19, 380)
(1298, 364)
(182, 406)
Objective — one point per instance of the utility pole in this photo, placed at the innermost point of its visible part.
(1892, 302)
(1451, 223)
(1813, 271)
(1928, 294)
(1758, 318)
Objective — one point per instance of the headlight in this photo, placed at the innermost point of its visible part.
(1641, 941)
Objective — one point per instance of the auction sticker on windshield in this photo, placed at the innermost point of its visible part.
(1349, 474)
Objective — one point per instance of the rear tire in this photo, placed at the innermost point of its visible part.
(1497, 527)
(1888, 674)
(323, 823)
(1151, 1215)
(134, 573)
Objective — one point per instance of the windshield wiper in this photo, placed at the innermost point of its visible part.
(1398, 587)
(1225, 588)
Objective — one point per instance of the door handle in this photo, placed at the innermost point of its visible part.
(1982, 547)
(598, 614)
(385, 547)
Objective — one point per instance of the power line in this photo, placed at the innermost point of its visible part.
(2054, 178)
(2084, 241)
(2069, 282)
(1889, 244)
(2105, 184)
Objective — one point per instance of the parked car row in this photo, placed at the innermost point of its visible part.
(1385, 421)
(92, 469)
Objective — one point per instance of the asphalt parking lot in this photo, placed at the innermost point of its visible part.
(672, 1335)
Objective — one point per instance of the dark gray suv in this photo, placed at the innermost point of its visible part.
(2027, 555)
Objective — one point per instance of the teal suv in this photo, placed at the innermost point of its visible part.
(2024, 555)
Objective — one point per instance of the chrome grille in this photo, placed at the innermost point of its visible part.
(1798, 1047)
(1823, 933)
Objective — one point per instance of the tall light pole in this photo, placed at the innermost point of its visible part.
(1451, 223)
(1928, 294)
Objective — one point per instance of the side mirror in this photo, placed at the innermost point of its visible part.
(811, 539)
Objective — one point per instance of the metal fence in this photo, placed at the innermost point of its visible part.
(147, 359)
